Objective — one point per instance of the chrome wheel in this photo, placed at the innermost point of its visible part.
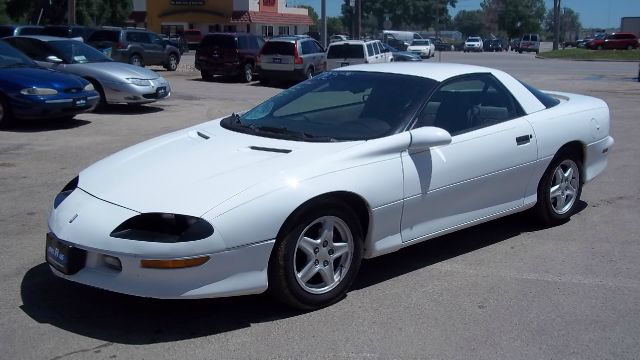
(323, 254)
(173, 62)
(248, 73)
(135, 60)
(565, 183)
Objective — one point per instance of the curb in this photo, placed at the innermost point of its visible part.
(592, 60)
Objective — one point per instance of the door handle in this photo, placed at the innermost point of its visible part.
(524, 139)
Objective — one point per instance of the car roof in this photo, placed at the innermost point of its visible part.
(352, 42)
(435, 71)
(45, 38)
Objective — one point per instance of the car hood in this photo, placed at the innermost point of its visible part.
(194, 170)
(22, 77)
(110, 70)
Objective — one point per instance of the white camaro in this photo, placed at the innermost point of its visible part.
(293, 194)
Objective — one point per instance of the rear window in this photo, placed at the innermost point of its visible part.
(534, 37)
(30, 31)
(223, 41)
(526, 38)
(547, 100)
(346, 51)
(56, 31)
(278, 48)
(105, 35)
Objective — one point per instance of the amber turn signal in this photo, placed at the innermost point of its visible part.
(173, 263)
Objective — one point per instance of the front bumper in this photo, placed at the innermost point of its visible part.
(121, 92)
(51, 107)
(228, 272)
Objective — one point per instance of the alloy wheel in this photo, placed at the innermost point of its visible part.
(323, 254)
(565, 183)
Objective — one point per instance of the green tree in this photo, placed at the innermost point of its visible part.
(4, 18)
(469, 23)
(515, 17)
(88, 12)
(417, 14)
(312, 13)
(334, 25)
(569, 24)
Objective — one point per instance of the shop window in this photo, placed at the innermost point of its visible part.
(172, 30)
(283, 30)
(230, 28)
(295, 30)
(214, 28)
(267, 31)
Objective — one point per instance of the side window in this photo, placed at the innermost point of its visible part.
(138, 37)
(318, 47)
(379, 46)
(468, 103)
(375, 49)
(370, 49)
(307, 48)
(243, 43)
(33, 49)
(155, 39)
(416, 37)
(534, 37)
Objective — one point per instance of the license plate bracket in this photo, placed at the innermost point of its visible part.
(277, 60)
(161, 91)
(64, 258)
(80, 102)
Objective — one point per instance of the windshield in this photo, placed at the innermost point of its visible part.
(420, 42)
(77, 52)
(10, 57)
(337, 106)
(473, 40)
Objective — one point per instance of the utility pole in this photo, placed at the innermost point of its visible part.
(71, 5)
(556, 24)
(323, 12)
(358, 32)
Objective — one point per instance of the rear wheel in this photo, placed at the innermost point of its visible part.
(309, 73)
(559, 189)
(629, 47)
(599, 47)
(136, 60)
(206, 76)
(318, 257)
(103, 99)
(247, 73)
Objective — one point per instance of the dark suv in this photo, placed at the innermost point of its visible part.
(230, 54)
(136, 46)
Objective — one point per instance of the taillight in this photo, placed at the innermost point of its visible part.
(298, 60)
(258, 59)
(120, 45)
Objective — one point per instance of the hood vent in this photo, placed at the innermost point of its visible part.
(260, 148)
(203, 135)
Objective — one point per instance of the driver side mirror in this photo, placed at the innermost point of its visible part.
(53, 59)
(427, 137)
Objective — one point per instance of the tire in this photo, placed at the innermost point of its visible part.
(303, 262)
(629, 47)
(103, 98)
(308, 74)
(563, 178)
(247, 73)
(136, 60)
(599, 47)
(519, 51)
(6, 119)
(172, 62)
(206, 76)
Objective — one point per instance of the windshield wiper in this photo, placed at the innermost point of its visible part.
(279, 130)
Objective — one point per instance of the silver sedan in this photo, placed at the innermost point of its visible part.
(116, 82)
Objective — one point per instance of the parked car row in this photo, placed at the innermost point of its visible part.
(614, 41)
(54, 77)
(285, 58)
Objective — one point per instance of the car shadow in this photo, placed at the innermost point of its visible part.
(124, 319)
(32, 126)
(122, 109)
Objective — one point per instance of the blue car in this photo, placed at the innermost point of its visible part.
(28, 91)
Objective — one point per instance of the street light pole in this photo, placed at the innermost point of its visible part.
(323, 12)
(72, 11)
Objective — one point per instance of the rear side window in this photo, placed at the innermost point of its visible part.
(278, 48)
(105, 35)
(307, 47)
(222, 41)
(30, 31)
(370, 49)
(138, 37)
(534, 37)
(346, 51)
(546, 100)
(526, 38)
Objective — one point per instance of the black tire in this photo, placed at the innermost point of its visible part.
(545, 209)
(629, 47)
(309, 73)
(136, 60)
(287, 255)
(102, 103)
(246, 76)
(206, 76)
(172, 62)
(519, 51)
(6, 118)
(599, 47)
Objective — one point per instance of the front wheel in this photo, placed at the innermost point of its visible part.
(172, 62)
(317, 259)
(559, 190)
(5, 113)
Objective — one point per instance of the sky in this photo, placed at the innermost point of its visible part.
(593, 13)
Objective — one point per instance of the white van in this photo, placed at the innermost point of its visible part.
(529, 43)
(353, 52)
(399, 39)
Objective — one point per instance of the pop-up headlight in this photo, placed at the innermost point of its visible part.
(163, 228)
(66, 191)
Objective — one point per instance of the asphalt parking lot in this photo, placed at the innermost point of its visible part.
(508, 289)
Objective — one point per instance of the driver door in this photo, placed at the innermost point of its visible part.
(483, 172)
